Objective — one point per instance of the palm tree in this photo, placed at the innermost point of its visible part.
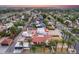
(55, 42)
(67, 35)
(33, 48)
(43, 45)
(52, 43)
(64, 33)
(69, 43)
(74, 41)
(62, 41)
(29, 40)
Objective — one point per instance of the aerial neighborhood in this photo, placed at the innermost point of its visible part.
(39, 31)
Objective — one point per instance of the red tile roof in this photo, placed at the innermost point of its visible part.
(33, 31)
(7, 41)
(38, 39)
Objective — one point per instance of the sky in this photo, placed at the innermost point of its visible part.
(37, 6)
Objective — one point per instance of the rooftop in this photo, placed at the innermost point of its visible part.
(6, 40)
(40, 38)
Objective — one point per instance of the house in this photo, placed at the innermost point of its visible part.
(56, 38)
(26, 34)
(8, 25)
(68, 23)
(51, 27)
(19, 45)
(1, 39)
(22, 17)
(77, 22)
(6, 41)
(40, 38)
(41, 17)
(56, 34)
(44, 35)
(37, 22)
(26, 44)
(40, 25)
(41, 31)
(33, 31)
(21, 39)
(50, 22)
(2, 28)
(26, 47)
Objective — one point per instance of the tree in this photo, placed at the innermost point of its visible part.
(43, 45)
(2, 34)
(74, 40)
(29, 40)
(62, 41)
(67, 35)
(33, 48)
(45, 21)
(19, 23)
(60, 20)
(52, 43)
(14, 31)
(69, 43)
(34, 25)
(8, 33)
(75, 30)
(44, 15)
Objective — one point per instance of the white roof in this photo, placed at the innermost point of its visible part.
(40, 35)
(26, 34)
(41, 31)
(25, 44)
(18, 44)
(37, 22)
(8, 25)
(22, 16)
(68, 21)
(55, 32)
(21, 38)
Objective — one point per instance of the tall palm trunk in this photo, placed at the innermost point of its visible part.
(56, 47)
(68, 47)
(62, 47)
(44, 49)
